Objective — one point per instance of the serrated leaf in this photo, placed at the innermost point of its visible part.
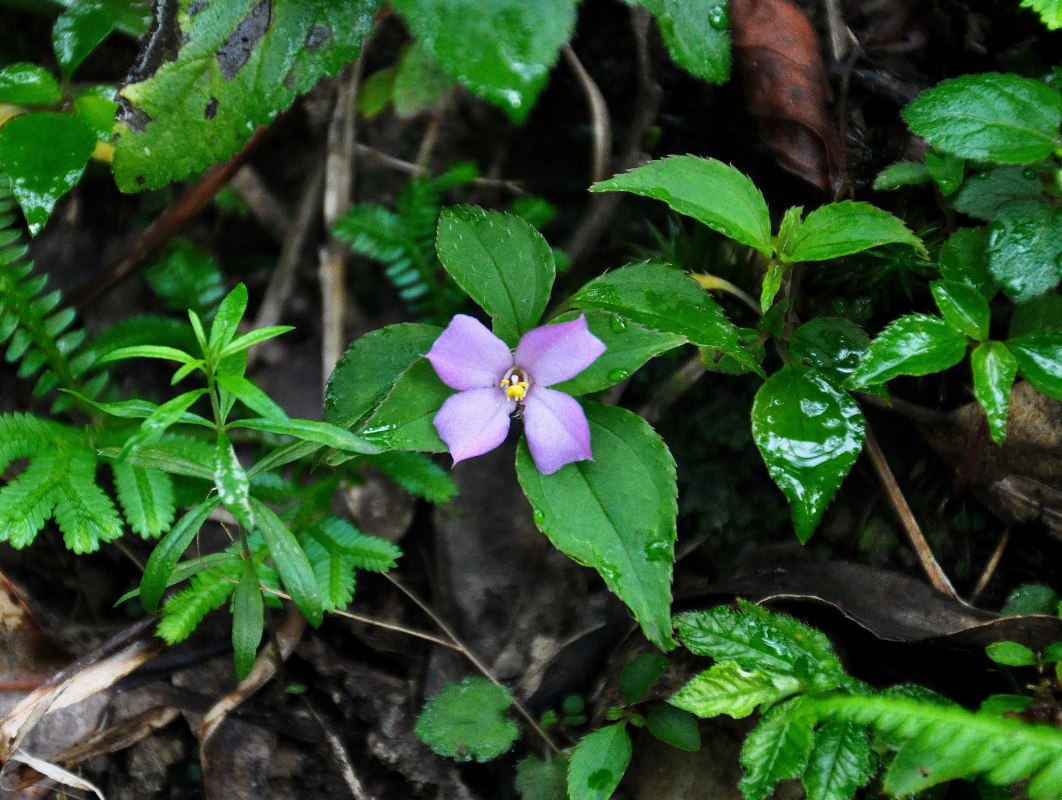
(24, 84)
(1050, 11)
(840, 761)
(1039, 357)
(367, 552)
(994, 369)
(711, 192)
(207, 591)
(726, 688)
(840, 229)
(833, 345)
(777, 748)
(168, 552)
(466, 721)
(43, 155)
(992, 117)
(963, 307)
(809, 433)
(903, 173)
(146, 497)
(334, 572)
(598, 762)
(502, 50)
(916, 344)
(984, 191)
(248, 619)
(697, 36)
(291, 562)
(615, 513)
(503, 264)
(1025, 248)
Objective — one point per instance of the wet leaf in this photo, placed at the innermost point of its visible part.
(726, 688)
(840, 762)
(963, 308)
(79, 30)
(776, 749)
(903, 173)
(833, 345)
(917, 344)
(1039, 357)
(840, 229)
(696, 34)
(1025, 248)
(984, 191)
(946, 170)
(230, 478)
(466, 721)
(994, 369)
(25, 84)
(964, 258)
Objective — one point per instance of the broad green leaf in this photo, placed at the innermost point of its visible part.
(248, 619)
(419, 83)
(839, 763)
(615, 513)
(664, 299)
(1011, 654)
(917, 344)
(992, 117)
(777, 748)
(236, 65)
(946, 170)
(228, 316)
(501, 50)
(96, 107)
(156, 424)
(639, 674)
(146, 497)
(964, 258)
(983, 192)
(726, 688)
(903, 173)
(24, 84)
(673, 725)
(598, 763)
(503, 264)
(466, 721)
(368, 370)
(809, 433)
(404, 420)
(1031, 598)
(1043, 313)
(628, 346)
(994, 369)
(80, 30)
(230, 478)
(291, 562)
(542, 780)
(312, 431)
(708, 190)
(168, 552)
(697, 36)
(1050, 11)
(1039, 357)
(44, 155)
(1025, 248)
(963, 307)
(840, 229)
(833, 345)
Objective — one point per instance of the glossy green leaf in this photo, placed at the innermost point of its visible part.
(840, 229)
(228, 68)
(833, 345)
(1025, 248)
(726, 688)
(96, 107)
(368, 370)
(598, 763)
(697, 35)
(503, 264)
(1011, 654)
(809, 433)
(25, 84)
(983, 192)
(664, 299)
(291, 562)
(80, 30)
(466, 721)
(708, 190)
(1043, 313)
(840, 761)
(1039, 357)
(44, 155)
(615, 513)
(145, 351)
(404, 420)
(777, 748)
(248, 619)
(964, 258)
(963, 307)
(247, 340)
(916, 344)
(994, 369)
(501, 50)
(673, 725)
(230, 478)
(168, 552)
(628, 346)
(992, 117)
(946, 170)
(903, 173)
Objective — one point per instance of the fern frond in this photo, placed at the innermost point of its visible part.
(206, 592)
(417, 474)
(945, 742)
(146, 497)
(334, 573)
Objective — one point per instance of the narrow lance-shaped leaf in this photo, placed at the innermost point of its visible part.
(166, 415)
(248, 619)
(291, 562)
(231, 481)
(168, 552)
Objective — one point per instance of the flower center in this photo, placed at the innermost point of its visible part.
(516, 383)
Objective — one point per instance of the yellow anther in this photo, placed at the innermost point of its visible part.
(514, 389)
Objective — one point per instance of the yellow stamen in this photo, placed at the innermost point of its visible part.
(514, 389)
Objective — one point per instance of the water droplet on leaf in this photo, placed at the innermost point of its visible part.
(718, 18)
(539, 516)
(618, 375)
(1029, 173)
(619, 324)
(658, 551)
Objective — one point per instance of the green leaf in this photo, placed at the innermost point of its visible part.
(227, 318)
(24, 84)
(503, 264)
(903, 173)
(1025, 248)
(417, 474)
(366, 552)
(840, 229)
(80, 30)
(726, 688)
(206, 592)
(839, 763)
(162, 418)
(628, 346)
(146, 497)
(168, 552)
(419, 83)
(291, 562)
(833, 345)
(44, 155)
(230, 478)
(146, 351)
(992, 117)
(252, 397)
(1050, 11)
(963, 307)
(639, 674)
(708, 190)
(237, 64)
(542, 780)
(501, 50)
(984, 192)
(96, 107)
(1031, 598)
(615, 513)
(312, 431)
(1011, 654)
(777, 748)
(917, 344)
(404, 420)
(673, 725)
(946, 170)
(809, 433)
(664, 299)
(994, 368)
(368, 370)
(1039, 357)
(466, 721)
(248, 619)
(697, 36)
(964, 258)
(598, 763)
(1043, 313)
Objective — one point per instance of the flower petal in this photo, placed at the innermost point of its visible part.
(474, 422)
(556, 428)
(555, 353)
(468, 356)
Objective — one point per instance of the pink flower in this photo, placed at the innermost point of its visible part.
(494, 382)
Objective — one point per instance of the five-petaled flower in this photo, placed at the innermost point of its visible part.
(493, 381)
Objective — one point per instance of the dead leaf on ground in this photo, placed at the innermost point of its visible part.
(28, 653)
